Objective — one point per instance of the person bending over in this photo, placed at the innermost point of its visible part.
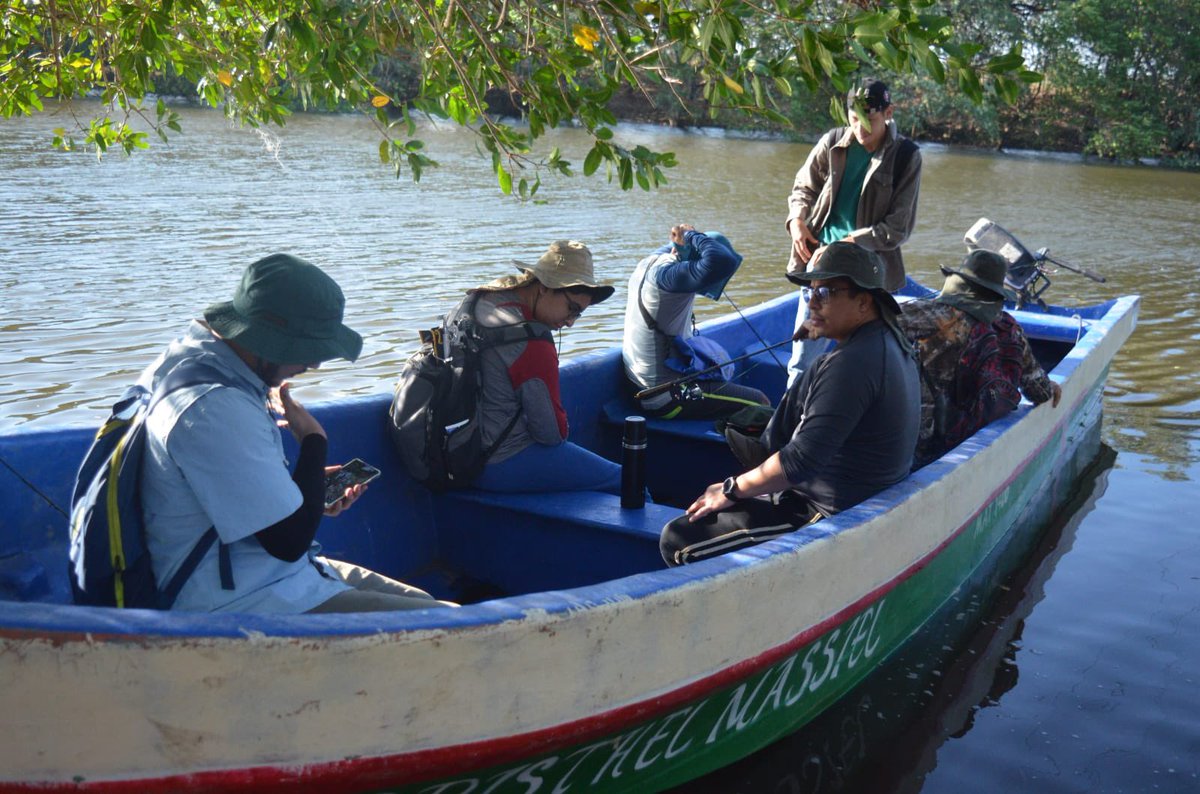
(214, 455)
(659, 319)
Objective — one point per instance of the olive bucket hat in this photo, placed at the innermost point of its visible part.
(288, 311)
(982, 268)
(567, 264)
(847, 260)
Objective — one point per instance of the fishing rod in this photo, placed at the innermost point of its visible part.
(753, 330)
(662, 387)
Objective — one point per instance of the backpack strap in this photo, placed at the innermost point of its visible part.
(187, 373)
(646, 316)
(168, 594)
(487, 337)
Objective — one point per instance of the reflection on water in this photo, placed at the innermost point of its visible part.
(885, 735)
(101, 264)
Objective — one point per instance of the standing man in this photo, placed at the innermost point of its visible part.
(214, 456)
(859, 184)
(975, 359)
(843, 432)
(658, 319)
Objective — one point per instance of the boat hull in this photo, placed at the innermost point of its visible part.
(640, 682)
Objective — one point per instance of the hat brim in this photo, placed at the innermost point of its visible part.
(272, 344)
(598, 292)
(1000, 290)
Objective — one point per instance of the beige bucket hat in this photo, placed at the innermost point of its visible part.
(567, 264)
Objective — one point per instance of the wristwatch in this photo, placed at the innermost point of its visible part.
(729, 488)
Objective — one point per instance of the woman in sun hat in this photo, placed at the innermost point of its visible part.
(523, 414)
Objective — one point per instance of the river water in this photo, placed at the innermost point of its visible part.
(1081, 677)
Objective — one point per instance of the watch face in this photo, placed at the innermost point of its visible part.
(729, 486)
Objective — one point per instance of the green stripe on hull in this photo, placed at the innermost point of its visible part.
(733, 722)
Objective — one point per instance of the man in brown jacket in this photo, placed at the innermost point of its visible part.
(859, 184)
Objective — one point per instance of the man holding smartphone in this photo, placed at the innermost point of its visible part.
(214, 456)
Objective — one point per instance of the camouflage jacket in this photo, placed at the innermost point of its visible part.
(972, 373)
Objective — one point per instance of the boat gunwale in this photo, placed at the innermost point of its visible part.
(62, 621)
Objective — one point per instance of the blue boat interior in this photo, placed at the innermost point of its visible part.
(469, 546)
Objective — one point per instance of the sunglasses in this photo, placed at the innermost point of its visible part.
(823, 294)
(573, 308)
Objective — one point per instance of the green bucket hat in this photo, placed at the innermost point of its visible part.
(287, 311)
(848, 260)
(985, 269)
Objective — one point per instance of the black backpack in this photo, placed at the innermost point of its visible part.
(109, 562)
(435, 420)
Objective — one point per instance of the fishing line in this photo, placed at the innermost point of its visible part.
(33, 487)
(754, 330)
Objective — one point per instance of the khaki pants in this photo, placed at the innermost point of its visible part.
(373, 592)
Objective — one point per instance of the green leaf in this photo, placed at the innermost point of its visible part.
(625, 173)
(505, 179)
(592, 161)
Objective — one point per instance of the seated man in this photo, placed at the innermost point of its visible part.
(843, 432)
(975, 359)
(214, 456)
(658, 317)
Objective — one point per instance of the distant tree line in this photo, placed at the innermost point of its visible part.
(1121, 81)
(1112, 78)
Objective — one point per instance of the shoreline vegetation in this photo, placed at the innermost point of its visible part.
(1104, 79)
(1032, 127)
(1099, 122)
(961, 131)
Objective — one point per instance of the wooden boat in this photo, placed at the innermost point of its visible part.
(583, 664)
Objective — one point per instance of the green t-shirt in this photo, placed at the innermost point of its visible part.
(843, 218)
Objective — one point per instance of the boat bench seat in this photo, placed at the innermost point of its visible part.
(528, 542)
(615, 412)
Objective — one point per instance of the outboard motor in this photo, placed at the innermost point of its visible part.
(1027, 274)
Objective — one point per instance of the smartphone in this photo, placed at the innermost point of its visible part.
(353, 473)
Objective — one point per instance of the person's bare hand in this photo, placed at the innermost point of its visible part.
(349, 496)
(804, 242)
(295, 417)
(712, 500)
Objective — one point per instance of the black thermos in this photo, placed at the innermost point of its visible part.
(633, 463)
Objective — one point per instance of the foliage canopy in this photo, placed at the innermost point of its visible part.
(557, 62)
